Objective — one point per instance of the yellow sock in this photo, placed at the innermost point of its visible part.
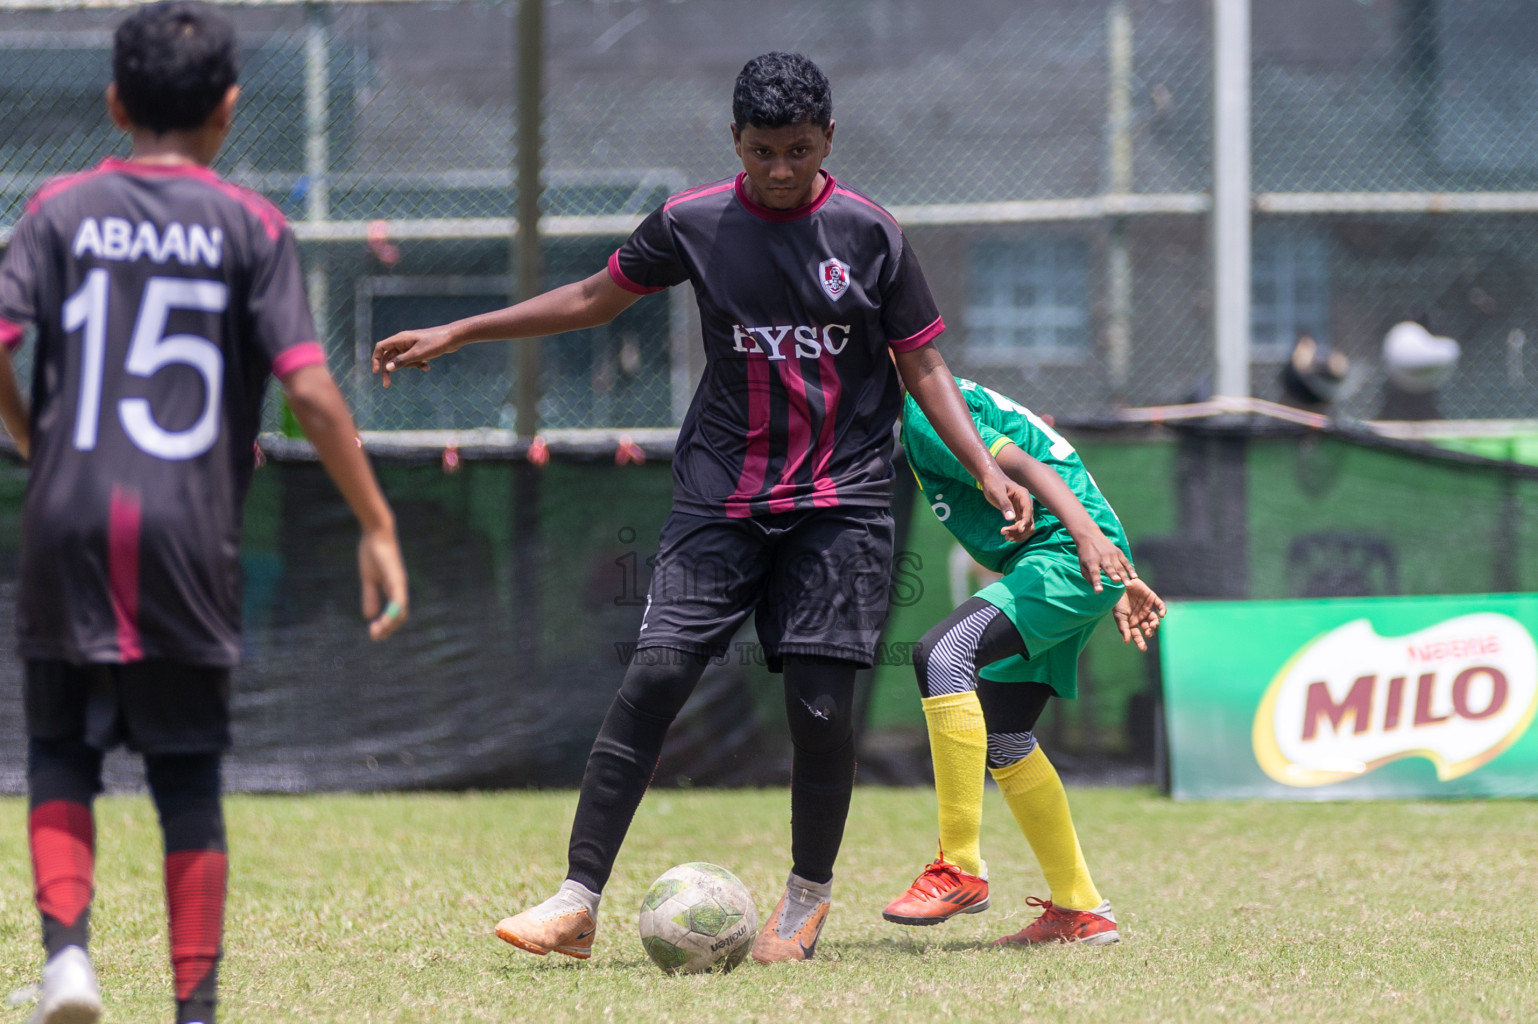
(958, 744)
(1035, 796)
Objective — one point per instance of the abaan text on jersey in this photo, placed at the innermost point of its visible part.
(114, 238)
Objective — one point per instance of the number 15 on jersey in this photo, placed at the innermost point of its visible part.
(149, 351)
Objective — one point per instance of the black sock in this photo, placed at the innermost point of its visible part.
(185, 788)
(624, 757)
(63, 778)
(819, 700)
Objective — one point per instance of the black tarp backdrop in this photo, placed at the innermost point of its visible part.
(528, 586)
(525, 607)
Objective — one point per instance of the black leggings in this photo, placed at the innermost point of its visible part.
(819, 698)
(947, 658)
(184, 787)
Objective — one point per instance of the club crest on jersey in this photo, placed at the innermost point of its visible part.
(833, 275)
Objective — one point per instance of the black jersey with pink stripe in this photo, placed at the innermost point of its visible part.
(164, 298)
(798, 309)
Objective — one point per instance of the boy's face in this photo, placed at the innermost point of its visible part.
(782, 163)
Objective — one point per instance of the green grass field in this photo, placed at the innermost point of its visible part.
(359, 908)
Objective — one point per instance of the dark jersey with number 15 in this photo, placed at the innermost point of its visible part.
(163, 297)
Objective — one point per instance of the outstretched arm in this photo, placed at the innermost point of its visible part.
(13, 408)
(1097, 554)
(571, 307)
(929, 380)
(322, 413)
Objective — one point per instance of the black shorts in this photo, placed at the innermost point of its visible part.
(817, 581)
(154, 707)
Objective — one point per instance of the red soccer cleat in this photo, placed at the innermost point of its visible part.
(1059, 924)
(939, 894)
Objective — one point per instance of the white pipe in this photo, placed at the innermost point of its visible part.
(1231, 198)
(1119, 152)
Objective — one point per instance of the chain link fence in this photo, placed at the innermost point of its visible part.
(1052, 161)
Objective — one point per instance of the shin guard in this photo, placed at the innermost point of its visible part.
(62, 835)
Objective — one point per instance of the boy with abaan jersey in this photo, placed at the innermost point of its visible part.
(164, 299)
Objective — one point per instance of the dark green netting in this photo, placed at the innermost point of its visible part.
(528, 587)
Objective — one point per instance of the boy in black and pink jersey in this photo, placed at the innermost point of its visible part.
(163, 299)
(782, 473)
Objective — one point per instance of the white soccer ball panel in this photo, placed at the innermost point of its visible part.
(695, 917)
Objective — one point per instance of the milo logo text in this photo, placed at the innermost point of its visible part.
(1456, 693)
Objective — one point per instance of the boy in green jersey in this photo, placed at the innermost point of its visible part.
(1023, 635)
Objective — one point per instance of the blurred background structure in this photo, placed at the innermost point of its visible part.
(1118, 203)
(1053, 161)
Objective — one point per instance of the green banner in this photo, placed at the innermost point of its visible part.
(1358, 698)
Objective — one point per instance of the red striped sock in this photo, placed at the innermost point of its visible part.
(63, 840)
(195, 881)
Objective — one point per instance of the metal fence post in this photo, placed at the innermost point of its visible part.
(528, 248)
(317, 158)
(1119, 152)
(1419, 18)
(1231, 197)
(524, 355)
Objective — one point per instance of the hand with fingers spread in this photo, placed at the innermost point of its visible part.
(1099, 556)
(411, 349)
(1137, 613)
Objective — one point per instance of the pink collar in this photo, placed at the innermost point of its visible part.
(759, 210)
(191, 170)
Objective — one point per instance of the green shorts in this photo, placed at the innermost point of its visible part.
(1055, 609)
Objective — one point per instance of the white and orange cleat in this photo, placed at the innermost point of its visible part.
(792, 930)
(565, 923)
(1059, 924)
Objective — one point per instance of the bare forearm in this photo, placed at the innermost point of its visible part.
(597, 300)
(1048, 488)
(13, 408)
(926, 376)
(322, 414)
(570, 307)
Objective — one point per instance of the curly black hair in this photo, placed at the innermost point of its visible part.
(778, 89)
(173, 63)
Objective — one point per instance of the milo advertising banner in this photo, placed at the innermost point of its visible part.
(1352, 698)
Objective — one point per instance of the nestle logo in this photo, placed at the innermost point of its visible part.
(1456, 648)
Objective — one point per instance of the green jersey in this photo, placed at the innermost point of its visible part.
(957, 500)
